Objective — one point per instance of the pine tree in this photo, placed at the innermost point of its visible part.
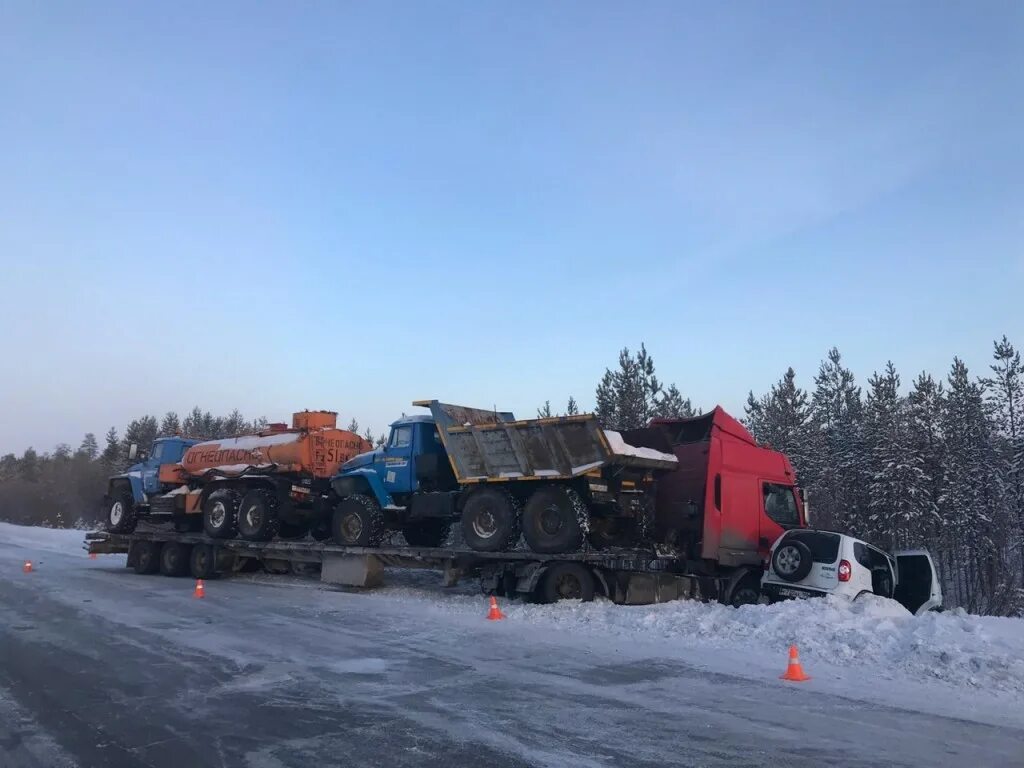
(545, 411)
(571, 408)
(672, 405)
(111, 456)
(899, 495)
(28, 466)
(837, 414)
(782, 419)
(353, 426)
(1005, 391)
(631, 396)
(234, 425)
(192, 426)
(925, 412)
(142, 432)
(89, 449)
(170, 425)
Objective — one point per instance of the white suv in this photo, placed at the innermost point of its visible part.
(806, 562)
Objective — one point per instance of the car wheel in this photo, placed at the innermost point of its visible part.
(792, 560)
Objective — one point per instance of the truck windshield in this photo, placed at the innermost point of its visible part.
(158, 452)
(401, 437)
(780, 504)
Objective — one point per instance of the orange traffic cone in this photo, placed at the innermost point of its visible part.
(794, 672)
(200, 589)
(27, 567)
(495, 613)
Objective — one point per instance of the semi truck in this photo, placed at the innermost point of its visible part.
(553, 480)
(256, 486)
(716, 511)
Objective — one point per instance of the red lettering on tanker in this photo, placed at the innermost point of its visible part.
(215, 457)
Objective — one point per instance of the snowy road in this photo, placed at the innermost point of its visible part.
(101, 667)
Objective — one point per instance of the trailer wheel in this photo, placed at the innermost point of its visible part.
(220, 513)
(202, 563)
(490, 520)
(747, 592)
(566, 581)
(357, 522)
(147, 557)
(426, 533)
(257, 515)
(121, 517)
(554, 520)
(174, 559)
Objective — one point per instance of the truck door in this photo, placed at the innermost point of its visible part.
(151, 469)
(779, 512)
(398, 460)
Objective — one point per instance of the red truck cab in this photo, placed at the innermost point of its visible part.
(730, 498)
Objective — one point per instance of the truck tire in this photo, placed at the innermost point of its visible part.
(792, 560)
(357, 522)
(174, 559)
(554, 520)
(566, 581)
(121, 517)
(220, 513)
(426, 533)
(257, 515)
(202, 562)
(147, 557)
(490, 520)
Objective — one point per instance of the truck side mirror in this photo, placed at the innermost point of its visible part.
(133, 451)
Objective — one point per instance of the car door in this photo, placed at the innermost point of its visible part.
(917, 586)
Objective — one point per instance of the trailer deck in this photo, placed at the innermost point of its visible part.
(623, 575)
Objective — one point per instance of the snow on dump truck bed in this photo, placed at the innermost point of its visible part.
(622, 448)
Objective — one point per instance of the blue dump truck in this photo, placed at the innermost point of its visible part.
(558, 481)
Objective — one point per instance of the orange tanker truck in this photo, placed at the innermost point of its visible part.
(272, 483)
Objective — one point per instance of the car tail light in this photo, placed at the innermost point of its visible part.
(844, 570)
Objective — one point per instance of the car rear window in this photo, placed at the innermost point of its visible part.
(824, 546)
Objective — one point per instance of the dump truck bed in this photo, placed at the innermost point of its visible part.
(492, 446)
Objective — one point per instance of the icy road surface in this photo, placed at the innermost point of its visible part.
(101, 667)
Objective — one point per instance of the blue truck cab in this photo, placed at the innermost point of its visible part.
(129, 492)
(408, 481)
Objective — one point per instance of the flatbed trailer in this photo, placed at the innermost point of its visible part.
(634, 576)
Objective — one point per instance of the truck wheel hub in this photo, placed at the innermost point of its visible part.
(551, 521)
(484, 525)
(568, 587)
(116, 512)
(217, 515)
(352, 526)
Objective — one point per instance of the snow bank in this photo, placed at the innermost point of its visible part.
(65, 540)
(953, 647)
(622, 448)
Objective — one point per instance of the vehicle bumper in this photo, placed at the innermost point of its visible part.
(774, 591)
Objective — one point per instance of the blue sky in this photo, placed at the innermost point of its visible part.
(336, 205)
